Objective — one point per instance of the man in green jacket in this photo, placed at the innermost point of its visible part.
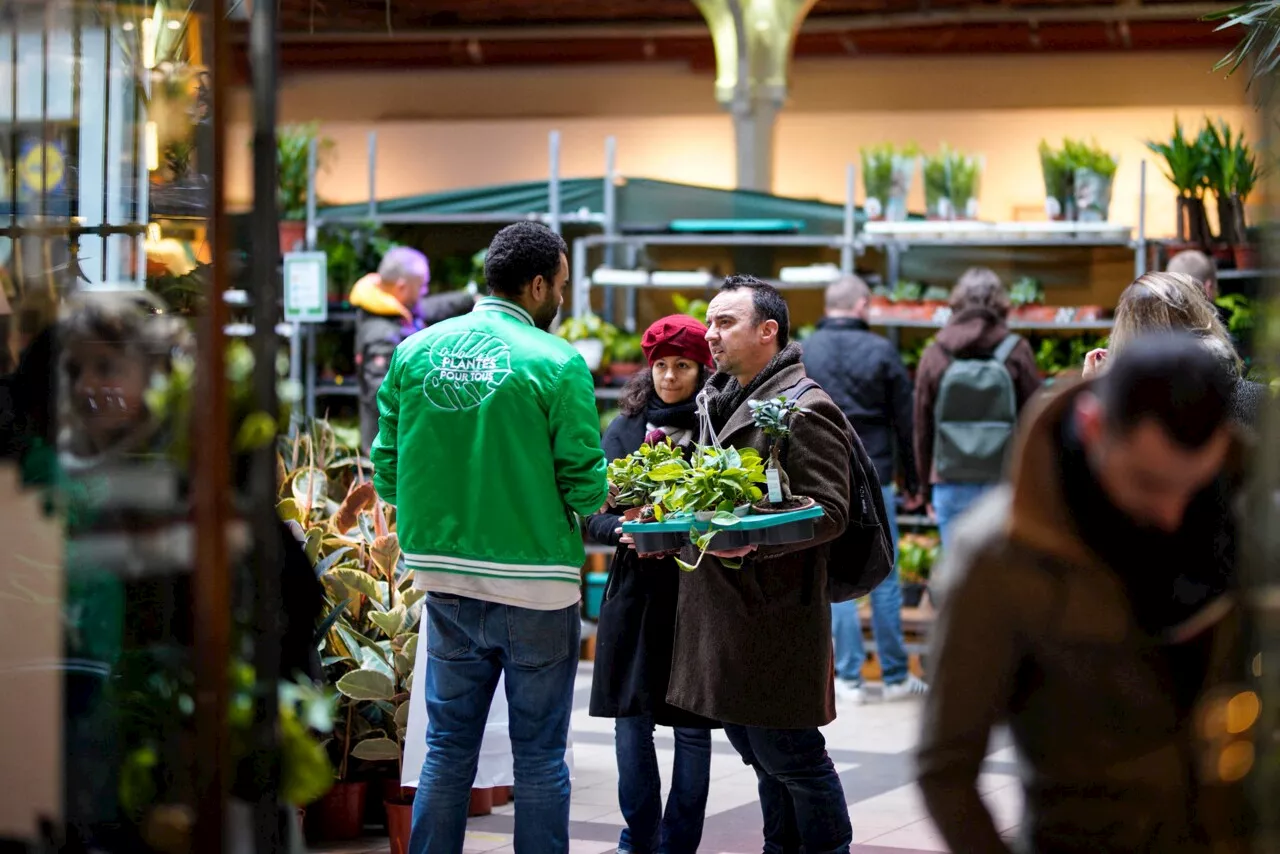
(489, 447)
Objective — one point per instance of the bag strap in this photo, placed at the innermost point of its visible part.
(1005, 350)
(800, 389)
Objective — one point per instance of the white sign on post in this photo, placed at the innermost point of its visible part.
(306, 290)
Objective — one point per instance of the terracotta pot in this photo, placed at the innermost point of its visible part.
(481, 803)
(292, 233)
(624, 370)
(1089, 312)
(399, 823)
(1246, 257)
(501, 796)
(339, 815)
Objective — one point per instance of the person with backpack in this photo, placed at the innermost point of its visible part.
(864, 375)
(972, 382)
(753, 642)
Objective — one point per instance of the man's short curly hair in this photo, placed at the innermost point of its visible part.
(520, 253)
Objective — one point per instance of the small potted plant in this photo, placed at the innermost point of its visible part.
(1026, 296)
(720, 481)
(1187, 167)
(951, 185)
(936, 302)
(642, 481)
(626, 357)
(774, 418)
(1093, 173)
(1056, 168)
(293, 144)
(916, 555)
(886, 179)
(591, 336)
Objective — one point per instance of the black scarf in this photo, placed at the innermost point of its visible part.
(682, 416)
(725, 395)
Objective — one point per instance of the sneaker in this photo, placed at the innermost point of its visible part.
(908, 690)
(850, 692)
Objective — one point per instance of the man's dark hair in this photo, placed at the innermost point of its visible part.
(1172, 379)
(768, 304)
(519, 254)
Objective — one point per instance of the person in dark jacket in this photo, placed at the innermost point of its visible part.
(753, 643)
(391, 305)
(638, 616)
(1090, 605)
(865, 377)
(978, 324)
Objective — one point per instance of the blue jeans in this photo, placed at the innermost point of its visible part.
(801, 797)
(886, 622)
(649, 830)
(951, 500)
(470, 644)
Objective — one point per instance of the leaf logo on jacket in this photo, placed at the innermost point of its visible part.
(466, 367)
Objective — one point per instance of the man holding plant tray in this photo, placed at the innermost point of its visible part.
(753, 643)
(489, 446)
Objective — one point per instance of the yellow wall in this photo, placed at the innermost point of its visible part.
(449, 129)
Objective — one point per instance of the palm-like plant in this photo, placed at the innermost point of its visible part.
(1187, 168)
(1260, 42)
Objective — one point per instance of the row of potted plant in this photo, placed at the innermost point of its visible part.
(917, 302)
(1218, 161)
(950, 181)
(369, 634)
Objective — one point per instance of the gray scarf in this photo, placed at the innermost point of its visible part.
(724, 395)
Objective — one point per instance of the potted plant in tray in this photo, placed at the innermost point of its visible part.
(293, 143)
(774, 418)
(719, 489)
(643, 480)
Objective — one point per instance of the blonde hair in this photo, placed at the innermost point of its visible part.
(1157, 302)
(980, 287)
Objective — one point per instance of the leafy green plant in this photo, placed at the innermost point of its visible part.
(1231, 172)
(1186, 161)
(917, 553)
(352, 252)
(370, 632)
(877, 171)
(953, 177)
(627, 348)
(642, 474)
(936, 293)
(774, 418)
(1242, 313)
(1026, 291)
(719, 480)
(695, 308)
(1058, 173)
(906, 292)
(293, 143)
(588, 326)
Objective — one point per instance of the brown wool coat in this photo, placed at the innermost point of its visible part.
(753, 646)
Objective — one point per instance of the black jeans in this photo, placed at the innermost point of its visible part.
(800, 793)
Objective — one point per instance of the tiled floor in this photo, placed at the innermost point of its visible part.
(871, 748)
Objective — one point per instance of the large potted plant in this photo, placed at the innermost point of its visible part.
(1232, 173)
(1187, 166)
(293, 144)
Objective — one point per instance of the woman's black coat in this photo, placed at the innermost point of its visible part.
(635, 638)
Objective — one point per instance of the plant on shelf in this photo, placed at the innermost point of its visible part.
(592, 336)
(906, 292)
(886, 179)
(352, 252)
(1242, 313)
(695, 308)
(293, 142)
(936, 293)
(951, 185)
(1232, 173)
(1187, 168)
(1057, 170)
(1093, 172)
(774, 418)
(1026, 291)
(626, 351)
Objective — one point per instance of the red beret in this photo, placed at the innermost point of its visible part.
(677, 335)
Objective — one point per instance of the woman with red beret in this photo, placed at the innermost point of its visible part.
(638, 616)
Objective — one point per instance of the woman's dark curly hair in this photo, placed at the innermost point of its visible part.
(636, 393)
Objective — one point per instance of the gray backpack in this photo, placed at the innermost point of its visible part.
(975, 415)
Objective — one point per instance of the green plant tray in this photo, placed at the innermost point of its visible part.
(754, 529)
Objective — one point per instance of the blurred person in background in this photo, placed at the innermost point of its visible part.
(637, 622)
(1089, 604)
(1198, 266)
(972, 383)
(864, 375)
(1158, 302)
(391, 305)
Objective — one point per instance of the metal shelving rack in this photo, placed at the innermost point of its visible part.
(302, 340)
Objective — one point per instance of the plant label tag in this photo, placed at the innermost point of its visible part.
(775, 486)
